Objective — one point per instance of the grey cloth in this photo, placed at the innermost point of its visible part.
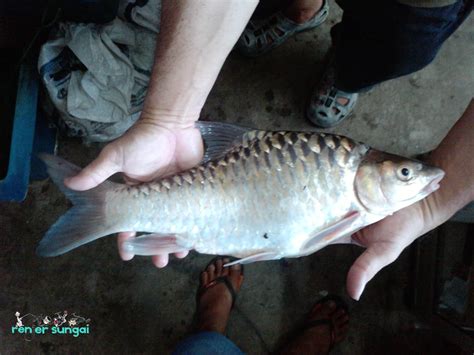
(97, 75)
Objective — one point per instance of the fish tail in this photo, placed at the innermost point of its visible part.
(84, 222)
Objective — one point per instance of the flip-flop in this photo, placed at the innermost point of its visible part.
(326, 322)
(221, 279)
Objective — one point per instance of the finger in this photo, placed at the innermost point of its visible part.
(367, 266)
(182, 254)
(123, 237)
(105, 165)
(160, 261)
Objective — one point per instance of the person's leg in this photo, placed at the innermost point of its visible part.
(378, 40)
(326, 325)
(218, 286)
(260, 36)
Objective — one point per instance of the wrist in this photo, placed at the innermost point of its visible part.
(170, 119)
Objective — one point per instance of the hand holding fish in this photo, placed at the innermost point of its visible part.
(163, 140)
(145, 152)
(148, 150)
(386, 239)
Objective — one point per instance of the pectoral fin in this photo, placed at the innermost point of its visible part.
(267, 255)
(330, 234)
(347, 239)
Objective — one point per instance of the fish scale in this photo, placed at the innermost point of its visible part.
(258, 195)
(280, 150)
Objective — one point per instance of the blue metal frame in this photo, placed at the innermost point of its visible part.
(15, 185)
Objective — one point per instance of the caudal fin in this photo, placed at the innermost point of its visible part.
(84, 222)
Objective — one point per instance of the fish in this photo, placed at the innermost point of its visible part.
(257, 195)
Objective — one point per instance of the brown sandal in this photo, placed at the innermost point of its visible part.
(221, 279)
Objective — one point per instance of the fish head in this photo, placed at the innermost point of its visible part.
(386, 183)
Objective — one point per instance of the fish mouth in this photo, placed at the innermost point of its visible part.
(434, 184)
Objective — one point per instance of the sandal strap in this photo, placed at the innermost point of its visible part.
(221, 279)
(330, 99)
(326, 104)
(326, 321)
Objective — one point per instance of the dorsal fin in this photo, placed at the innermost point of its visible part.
(219, 138)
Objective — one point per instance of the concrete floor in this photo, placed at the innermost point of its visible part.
(135, 308)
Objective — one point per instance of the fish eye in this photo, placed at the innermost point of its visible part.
(404, 174)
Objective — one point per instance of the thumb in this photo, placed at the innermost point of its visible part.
(374, 259)
(105, 165)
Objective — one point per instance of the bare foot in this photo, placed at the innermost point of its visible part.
(215, 302)
(319, 338)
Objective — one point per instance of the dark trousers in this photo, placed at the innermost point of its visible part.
(378, 40)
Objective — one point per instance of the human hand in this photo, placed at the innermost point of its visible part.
(147, 151)
(385, 240)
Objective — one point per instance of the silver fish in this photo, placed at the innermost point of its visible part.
(258, 195)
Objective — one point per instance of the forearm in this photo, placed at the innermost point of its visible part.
(195, 39)
(455, 156)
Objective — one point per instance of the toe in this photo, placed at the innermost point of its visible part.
(327, 309)
(219, 268)
(235, 272)
(338, 313)
(342, 100)
(323, 310)
(225, 270)
(211, 272)
(342, 318)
